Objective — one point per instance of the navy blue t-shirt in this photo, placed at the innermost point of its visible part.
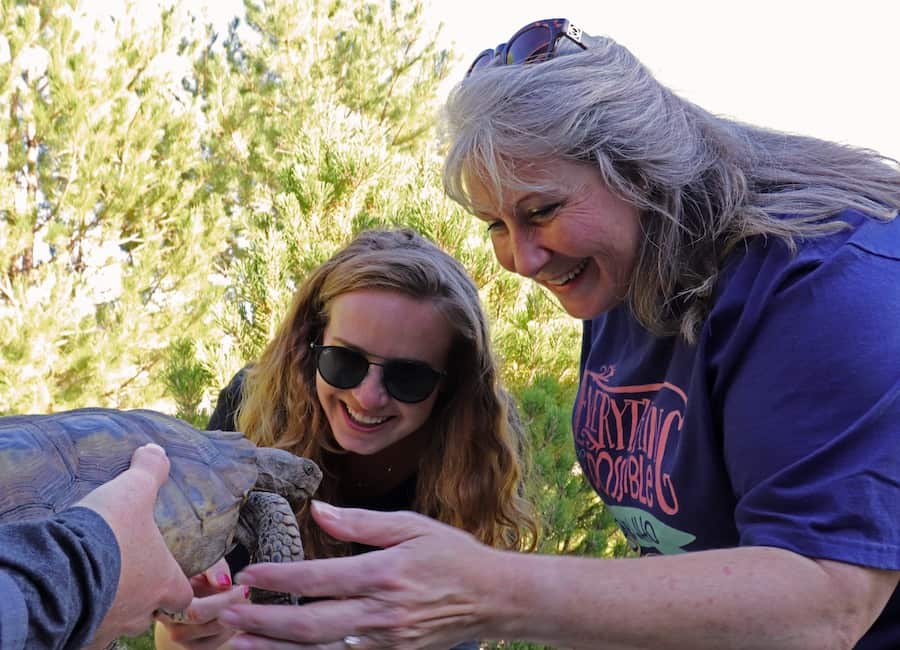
(779, 427)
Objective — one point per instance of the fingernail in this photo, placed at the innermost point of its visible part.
(223, 580)
(325, 510)
(155, 447)
(246, 592)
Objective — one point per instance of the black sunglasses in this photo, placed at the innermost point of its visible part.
(535, 42)
(405, 381)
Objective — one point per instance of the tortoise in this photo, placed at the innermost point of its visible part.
(222, 488)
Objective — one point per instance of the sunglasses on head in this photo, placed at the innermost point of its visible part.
(405, 381)
(533, 43)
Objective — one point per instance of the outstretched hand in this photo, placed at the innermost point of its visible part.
(198, 627)
(150, 578)
(421, 591)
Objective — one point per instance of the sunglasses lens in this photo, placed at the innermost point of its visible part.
(406, 381)
(409, 382)
(340, 367)
(481, 61)
(533, 44)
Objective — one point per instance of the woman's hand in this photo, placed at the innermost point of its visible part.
(198, 627)
(421, 591)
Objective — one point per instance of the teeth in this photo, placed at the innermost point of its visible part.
(363, 419)
(568, 277)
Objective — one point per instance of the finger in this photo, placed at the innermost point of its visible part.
(218, 575)
(342, 577)
(198, 636)
(253, 642)
(336, 577)
(151, 460)
(313, 623)
(370, 527)
(178, 593)
(212, 643)
(203, 610)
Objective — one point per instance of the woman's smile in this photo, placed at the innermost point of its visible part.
(364, 421)
(567, 277)
(573, 235)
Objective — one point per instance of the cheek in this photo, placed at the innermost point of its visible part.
(323, 390)
(417, 414)
(503, 253)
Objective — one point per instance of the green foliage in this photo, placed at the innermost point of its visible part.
(142, 642)
(186, 378)
(103, 255)
(574, 519)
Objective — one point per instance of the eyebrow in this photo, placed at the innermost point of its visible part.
(547, 198)
(482, 213)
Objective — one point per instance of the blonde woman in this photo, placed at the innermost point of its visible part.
(381, 372)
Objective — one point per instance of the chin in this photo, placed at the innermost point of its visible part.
(588, 311)
(355, 447)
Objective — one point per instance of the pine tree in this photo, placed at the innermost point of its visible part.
(104, 251)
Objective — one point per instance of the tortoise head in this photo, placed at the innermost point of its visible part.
(293, 477)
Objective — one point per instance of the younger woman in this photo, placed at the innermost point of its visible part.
(382, 373)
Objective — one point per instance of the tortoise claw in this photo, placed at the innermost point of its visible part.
(175, 617)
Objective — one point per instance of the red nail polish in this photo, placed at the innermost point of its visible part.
(246, 591)
(224, 580)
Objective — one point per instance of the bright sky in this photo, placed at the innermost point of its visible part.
(818, 67)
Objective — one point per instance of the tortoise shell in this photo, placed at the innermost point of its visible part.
(48, 462)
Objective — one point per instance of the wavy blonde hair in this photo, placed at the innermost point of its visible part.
(703, 183)
(471, 476)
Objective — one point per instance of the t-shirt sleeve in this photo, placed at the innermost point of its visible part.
(811, 417)
(58, 579)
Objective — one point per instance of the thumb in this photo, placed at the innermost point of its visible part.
(134, 488)
(151, 461)
(371, 527)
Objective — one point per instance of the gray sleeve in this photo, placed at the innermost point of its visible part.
(58, 578)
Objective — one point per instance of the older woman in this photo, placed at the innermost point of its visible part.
(740, 377)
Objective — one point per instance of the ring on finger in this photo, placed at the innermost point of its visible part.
(352, 641)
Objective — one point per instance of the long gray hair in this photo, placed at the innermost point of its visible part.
(703, 183)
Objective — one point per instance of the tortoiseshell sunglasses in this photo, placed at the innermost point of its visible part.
(535, 42)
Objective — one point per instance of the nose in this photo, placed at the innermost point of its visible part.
(371, 394)
(525, 256)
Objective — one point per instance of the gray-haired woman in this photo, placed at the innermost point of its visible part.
(740, 376)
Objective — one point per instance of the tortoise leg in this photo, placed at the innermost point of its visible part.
(267, 528)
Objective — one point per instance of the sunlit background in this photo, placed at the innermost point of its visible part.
(826, 69)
